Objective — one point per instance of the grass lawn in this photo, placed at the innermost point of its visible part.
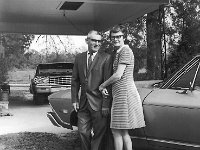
(21, 76)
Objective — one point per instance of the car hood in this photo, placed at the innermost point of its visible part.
(144, 92)
(62, 94)
(67, 93)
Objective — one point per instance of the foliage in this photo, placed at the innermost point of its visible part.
(20, 56)
(62, 57)
(181, 28)
(136, 40)
(134, 37)
(186, 24)
(15, 45)
(33, 58)
(57, 49)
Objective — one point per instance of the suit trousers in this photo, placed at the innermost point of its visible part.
(88, 120)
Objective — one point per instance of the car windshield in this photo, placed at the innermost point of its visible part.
(184, 78)
(54, 69)
(187, 78)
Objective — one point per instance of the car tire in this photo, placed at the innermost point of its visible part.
(39, 99)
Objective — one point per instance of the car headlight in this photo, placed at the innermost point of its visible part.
(40, 80)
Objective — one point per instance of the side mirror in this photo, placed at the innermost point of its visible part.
(157, 85)
(191, 87)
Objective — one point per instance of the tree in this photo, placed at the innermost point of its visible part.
(33, 58)
(186, 23)
(15, 46)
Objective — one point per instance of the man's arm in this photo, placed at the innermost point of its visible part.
(75, 85)
(107, 100)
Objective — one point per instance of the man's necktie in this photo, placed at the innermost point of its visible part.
(90, 61)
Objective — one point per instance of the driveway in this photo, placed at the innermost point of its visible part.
(29, 128)
(26, 116)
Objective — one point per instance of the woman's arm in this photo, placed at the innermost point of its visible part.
(115, 77)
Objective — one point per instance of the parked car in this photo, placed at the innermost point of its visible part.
(49, 78)
(172, 111)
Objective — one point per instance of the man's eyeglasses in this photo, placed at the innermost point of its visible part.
(116, 37)
(94, 40)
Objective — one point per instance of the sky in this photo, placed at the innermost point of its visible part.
(39, 43)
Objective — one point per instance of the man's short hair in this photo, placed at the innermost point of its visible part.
(93, 32)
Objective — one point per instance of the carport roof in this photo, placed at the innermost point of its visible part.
(72, 17)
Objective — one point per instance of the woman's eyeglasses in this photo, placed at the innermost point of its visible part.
(116, 37)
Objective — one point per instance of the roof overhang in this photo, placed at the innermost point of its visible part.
(49, 16)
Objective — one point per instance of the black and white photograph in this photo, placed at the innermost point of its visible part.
(99, 74)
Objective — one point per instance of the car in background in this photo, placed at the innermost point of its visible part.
(171, 110)
(50, 78)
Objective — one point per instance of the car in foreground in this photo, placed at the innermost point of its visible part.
(172, 111)
(50, 78)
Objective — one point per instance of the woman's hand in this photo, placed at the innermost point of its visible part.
(103, 90)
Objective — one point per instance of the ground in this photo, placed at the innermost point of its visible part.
(28, 127)
(27, 117)
(39, 141)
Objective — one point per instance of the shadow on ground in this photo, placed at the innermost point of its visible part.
(39, 141)
(22, 98)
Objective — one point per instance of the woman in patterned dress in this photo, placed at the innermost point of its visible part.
(126, 111)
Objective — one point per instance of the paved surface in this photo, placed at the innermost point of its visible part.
(30, 128)
(27, 117)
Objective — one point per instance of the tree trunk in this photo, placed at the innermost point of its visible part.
(154, 44)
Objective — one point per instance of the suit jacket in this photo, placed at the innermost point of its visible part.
(88, 82)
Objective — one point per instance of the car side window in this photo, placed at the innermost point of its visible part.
(187, 78)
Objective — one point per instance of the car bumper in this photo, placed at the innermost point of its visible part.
(49, 89)
(56, 121)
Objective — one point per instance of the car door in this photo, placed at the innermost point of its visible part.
(172, 115)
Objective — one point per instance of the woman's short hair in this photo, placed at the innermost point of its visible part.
(117, 29)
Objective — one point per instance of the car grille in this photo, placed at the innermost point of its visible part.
(66, 80)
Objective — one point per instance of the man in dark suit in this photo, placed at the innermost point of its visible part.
(93, 109)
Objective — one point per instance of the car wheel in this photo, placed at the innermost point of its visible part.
(39, 99)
